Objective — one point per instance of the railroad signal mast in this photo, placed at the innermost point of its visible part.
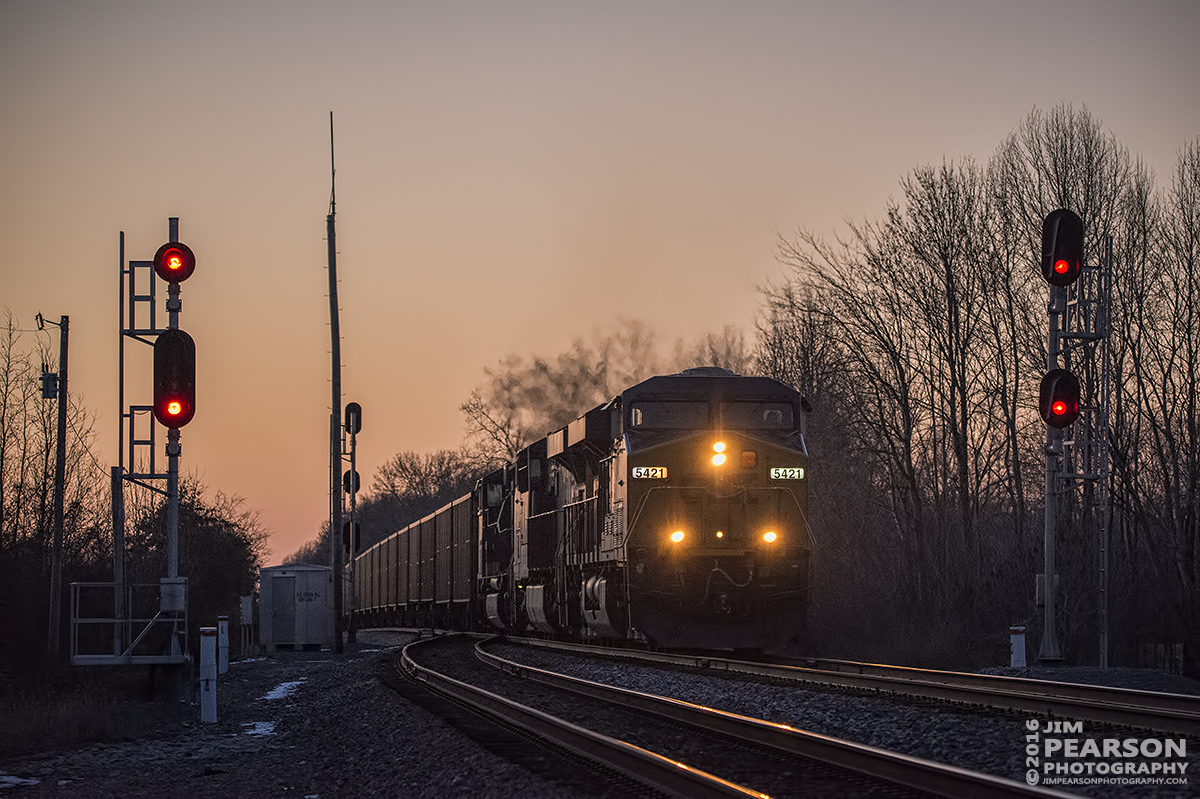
(1075, 410)
(351, 541)
(138, 639)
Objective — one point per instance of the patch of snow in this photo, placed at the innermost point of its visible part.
(9, 781)
(283, 690)
(259, 728)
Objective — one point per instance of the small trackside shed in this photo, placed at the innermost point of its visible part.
(295, 607)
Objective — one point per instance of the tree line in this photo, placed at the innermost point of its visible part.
(221, 540)
(922, 337)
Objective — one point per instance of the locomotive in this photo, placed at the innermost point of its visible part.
(674, 515)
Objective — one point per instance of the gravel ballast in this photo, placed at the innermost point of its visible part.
(333, 729)
(338, 732)
(978, 739)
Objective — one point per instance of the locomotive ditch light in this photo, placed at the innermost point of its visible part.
(770, 536)
(720, 533)
(677, 536)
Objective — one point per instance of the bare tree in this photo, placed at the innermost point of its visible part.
(1064, 158)
(930, 328)
(523, 398)
(27, 441)
(727, 349)
(1166, 338)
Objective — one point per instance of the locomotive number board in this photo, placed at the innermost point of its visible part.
(653, 472)
(787, 473)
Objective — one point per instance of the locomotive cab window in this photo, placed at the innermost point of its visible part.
(667, 415)
(758, 415)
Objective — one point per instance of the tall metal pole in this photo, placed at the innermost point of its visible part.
(1049, 649)
(1105, 488)
(60, 475)
(335, 428)
(173, 448)
(121, 355)
(118, 523)
(351, 633)
(178, 587)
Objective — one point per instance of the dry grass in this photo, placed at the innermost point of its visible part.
(43, 717)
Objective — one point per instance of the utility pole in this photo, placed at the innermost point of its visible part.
(60, 477)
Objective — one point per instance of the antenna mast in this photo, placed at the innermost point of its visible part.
(335, 438)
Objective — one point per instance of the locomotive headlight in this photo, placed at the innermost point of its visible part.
(719, 457)
(770, 536)
(677, 536)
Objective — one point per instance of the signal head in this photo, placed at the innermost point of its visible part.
(353, 422)
(174, 378)
(1062, 247)
(174, 262)
(1058, 398)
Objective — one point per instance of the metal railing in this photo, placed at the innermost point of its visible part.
(115, 626)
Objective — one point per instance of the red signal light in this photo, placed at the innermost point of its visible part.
(174, 378)
(174, 262)
(1062, 247)
(1058, 398)
(172, 412)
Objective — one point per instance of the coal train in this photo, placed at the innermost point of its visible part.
(674, 515)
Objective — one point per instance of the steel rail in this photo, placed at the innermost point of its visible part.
(913, 772)
(1173, 713)
(651, 769)
(1183, 708)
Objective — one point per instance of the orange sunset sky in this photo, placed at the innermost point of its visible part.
(509, 176)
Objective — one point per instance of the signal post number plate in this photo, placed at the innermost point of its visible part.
(787, 473)
(652, 472)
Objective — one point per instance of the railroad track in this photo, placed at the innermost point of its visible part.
(1148, 710)
(1151, 710)
(676, 747)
